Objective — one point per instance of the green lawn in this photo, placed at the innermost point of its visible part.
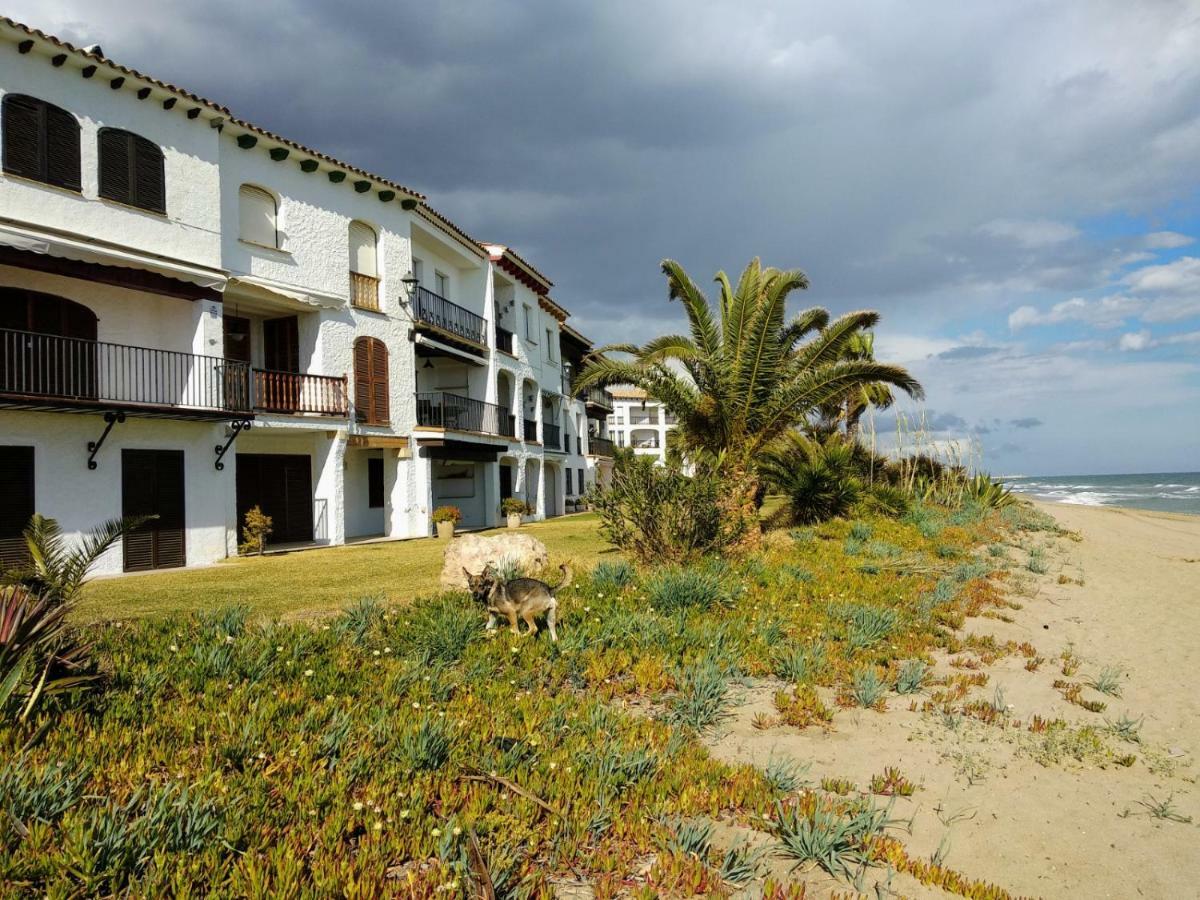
(301, 584)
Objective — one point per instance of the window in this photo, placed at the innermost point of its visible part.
(582, 487)
(550, 344)
(132, 170)
(570, 491)
(529, 324)
(441, 285)
(257, 221)
(371, 381)
(374, 482)
(418, 271)
(41, 141)
(16, 487)
(364, 274)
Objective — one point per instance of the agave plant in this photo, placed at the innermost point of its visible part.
(40, 654)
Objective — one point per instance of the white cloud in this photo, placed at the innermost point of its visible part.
(1167, 240)
(1107, 312)
(1032, 232)
(1135, 340)
(1178, 276)
(1141, 340)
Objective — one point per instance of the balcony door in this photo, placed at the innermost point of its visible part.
(278, 388)
(280, 484)
(152, 485)
(16, 487)
(47, 346)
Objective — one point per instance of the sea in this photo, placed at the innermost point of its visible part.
(1177, 492)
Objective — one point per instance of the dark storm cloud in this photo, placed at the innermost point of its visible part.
(600, 138)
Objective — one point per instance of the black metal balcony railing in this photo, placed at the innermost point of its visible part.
(42, 366)
(506, 340)
(290, 392)
(437, 409)
(433, 309)
(508, 423)
(530, 429)
(598, 446)
(551, 436)
(595, 396)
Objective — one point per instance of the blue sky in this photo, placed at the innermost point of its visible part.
(1015, 186)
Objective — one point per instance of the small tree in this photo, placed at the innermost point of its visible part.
(257, 528)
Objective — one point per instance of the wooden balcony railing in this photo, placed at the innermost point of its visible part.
(438, 409)
(506, 341)
(364, 292)
(598, 446)
(551, 436)
(432, 309)
(530, 432)
(289, 392)
(81, 372)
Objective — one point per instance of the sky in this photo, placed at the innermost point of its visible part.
(1014, 185)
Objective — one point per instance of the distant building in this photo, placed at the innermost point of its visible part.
(639, 421)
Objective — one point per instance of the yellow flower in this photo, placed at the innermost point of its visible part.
(357, 805)
(437, 832)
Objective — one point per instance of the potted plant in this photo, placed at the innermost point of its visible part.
(446, 517)
(514, 508)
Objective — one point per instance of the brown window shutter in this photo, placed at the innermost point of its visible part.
(362, 379)
(379, 382)
(150, 183)
(62, 149)
(16, 487)
(115, 181)
(22, 135)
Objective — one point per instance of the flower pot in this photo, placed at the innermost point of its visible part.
(445, 530)
(514, 520)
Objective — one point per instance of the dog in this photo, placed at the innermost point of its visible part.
(524, 598)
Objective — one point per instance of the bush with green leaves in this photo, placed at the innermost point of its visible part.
(658, 514)
(611, 576)
(678, 589)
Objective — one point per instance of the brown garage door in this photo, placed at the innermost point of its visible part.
(152, 485)
(280, 484)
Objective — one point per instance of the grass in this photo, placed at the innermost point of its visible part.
(235, 754)
(313, 582)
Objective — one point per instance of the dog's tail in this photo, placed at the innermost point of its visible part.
(566, 577)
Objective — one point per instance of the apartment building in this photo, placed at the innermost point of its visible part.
(198, 316)
(639, 421)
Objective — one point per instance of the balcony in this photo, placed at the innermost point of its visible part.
(506, 341)
(551, 436)
(292, 393)
(452, 412)
(38, 370)
(598, 446)
(449, 318)
(364, 292)
(596, 398)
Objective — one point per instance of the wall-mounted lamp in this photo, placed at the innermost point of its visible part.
(410, 280)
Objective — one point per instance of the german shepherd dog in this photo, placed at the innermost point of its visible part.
(523, 598)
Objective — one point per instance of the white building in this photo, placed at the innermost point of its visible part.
(198, 316)
(639, 421)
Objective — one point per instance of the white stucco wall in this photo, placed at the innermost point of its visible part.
(190, 230)
(80, 498)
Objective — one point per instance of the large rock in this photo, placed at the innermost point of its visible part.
(474, 551)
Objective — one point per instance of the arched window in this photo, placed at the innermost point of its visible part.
(364, 271)
(257, 220)
(41, 141)
(371, 381)
(24, 310)
(60, 357)
(132, 170)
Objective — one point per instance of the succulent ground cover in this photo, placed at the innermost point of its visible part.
(398, 749)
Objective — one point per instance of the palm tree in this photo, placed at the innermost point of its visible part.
(849, 410)
(744, 374)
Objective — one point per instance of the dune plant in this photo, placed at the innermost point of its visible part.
(911, 677)
(611, 576)
(834, 835)
(675, 589)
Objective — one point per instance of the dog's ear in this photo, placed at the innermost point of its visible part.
(468, 574)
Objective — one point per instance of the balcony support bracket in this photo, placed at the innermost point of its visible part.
(111, 418)
(238, 426)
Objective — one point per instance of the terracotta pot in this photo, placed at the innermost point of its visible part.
(445, 530)
(514, 520)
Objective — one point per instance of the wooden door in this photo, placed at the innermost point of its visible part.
(281, 354)
(237, 351)
(16, 487)
(280, 484)
(152, 485)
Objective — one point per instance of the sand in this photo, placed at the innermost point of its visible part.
(1064, 828)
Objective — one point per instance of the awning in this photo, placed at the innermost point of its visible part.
(255, 285)
(82, 249)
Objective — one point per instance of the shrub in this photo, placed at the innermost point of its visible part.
(256, 528)
(868, 688)
(659, 515)
(425, 747)
(798, 664)
(912, 677)
(702, 698)
(514, 506)
(821, 834)
(675, 589)
(447, 514)
(442, 628)
(612, 575)
(867, 625)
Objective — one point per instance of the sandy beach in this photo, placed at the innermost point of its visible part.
(1120, 592)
